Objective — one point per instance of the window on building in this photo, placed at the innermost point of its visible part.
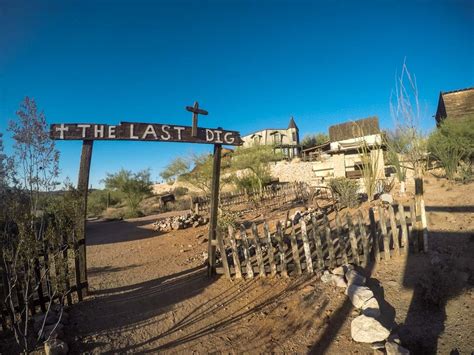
(294, 136)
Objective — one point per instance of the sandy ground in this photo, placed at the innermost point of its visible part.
(149, 292)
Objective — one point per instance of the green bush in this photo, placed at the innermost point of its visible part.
(97, 201)
(346, 191)
(180, 191)
(452, 143)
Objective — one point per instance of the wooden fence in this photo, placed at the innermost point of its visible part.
(54, 276)
(315, 244)
(271, 196)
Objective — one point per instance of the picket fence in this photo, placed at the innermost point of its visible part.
(314, 245)
(271, 196)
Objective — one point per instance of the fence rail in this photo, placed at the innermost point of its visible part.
(54, 277)
(314, 244)
(271, 196)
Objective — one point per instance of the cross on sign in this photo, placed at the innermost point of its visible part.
(61, 129)
(196, 111)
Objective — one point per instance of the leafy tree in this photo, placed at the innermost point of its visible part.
(254, 165)
(173, 170)
(452, 142)
(201, 174)
(134, 186)
(311, 140)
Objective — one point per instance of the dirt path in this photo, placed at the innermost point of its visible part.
(149, 293)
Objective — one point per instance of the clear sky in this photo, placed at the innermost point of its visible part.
(251, 64)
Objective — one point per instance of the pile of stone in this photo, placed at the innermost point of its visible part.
(50, 328)
(180, 222)
(296, 217)
(365, 328)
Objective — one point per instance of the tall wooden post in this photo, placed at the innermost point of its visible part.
(422, 228)
(216, 173)
(83, 187)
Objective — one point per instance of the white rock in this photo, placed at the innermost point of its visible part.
(339, 271)
(371, 308)
(354, 278)
(368, 330)
(359, 295)
(55, 347)
(395, 349)
(326, 277)
(387, 198)
(339, 281)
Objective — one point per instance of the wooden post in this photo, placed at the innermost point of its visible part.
(83, 188)
(213, 235)
(384, 233)
(422, 230)
(374, 235)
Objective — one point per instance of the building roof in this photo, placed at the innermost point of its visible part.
(292, 123)
(354, 129)
(455, 104)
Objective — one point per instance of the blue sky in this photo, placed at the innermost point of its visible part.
(251, 64)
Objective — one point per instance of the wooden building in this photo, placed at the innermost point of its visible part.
(285, 140)
(455, 105)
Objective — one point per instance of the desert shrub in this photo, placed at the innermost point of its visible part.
(180, 191)
(387, 185)
(133, 186)
(464, 172)
(346, 190)
(99, 200)
(311, 140)
(225, 219)
(452, 143)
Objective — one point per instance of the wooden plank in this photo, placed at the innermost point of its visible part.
(316, 234)
(394, 231)
(373, 235)
(353, 240)
(384, 233)
(136, 131)
(295, 252)
(213, 235)
(270, 253)
(414, 228)
(363, 237)
(329, 242)
(258, 250)
(403, 226)
(342, 242)
(245, 245)
(83, 187)
(281, 246)
(235, 253)
(307, 250)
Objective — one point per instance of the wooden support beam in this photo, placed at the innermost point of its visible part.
(83, 188)
(213, 235)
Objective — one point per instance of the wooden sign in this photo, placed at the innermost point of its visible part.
(143, 132)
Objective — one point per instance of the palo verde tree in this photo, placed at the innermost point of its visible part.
(134, 186)
(252, 166)
(311, 140)
(176, 168)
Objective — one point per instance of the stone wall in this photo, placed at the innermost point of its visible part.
(294, 170)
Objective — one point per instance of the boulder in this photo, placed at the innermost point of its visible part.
(393, 348)
(359, 295)
(326, 277)
(368, 330)
(339, 281)
(55, 347)
(386, 198)
(354, 278)
(371, 308)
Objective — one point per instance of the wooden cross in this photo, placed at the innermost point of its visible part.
(196, 111)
